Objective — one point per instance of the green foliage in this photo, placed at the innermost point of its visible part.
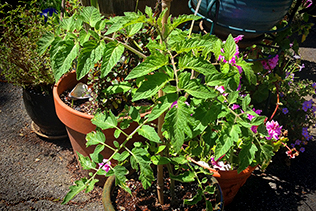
(21, 29)
(200, 90)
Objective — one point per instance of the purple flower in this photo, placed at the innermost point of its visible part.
(305, 133)
(285, 110)
(48, 12)
(235, 106)
(314, 85)
(301, 67)
(302, 149)
(175, 103)
(307, 105)
(273, 129)
(308, 3)
(298, 142)
(105, 165)
(292, 145)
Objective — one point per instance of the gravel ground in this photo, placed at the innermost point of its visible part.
(36, 173)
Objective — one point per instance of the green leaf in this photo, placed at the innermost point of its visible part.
(182, 19)
(104, 121)
(90, 54)
(262, 130)
(247, 69)
(113, 53)
(86, 162)
(229, 48)
(44, 42)
(245, 102)
(116, 144)
(151, 63)
(164, 103)
(69, 24)
(79, 186)
(246, 155)
(159, 160)
(225, 142)
(121, 157)
(149, 11)
(178, 122)
(258, 120)
(198, 90)
(133, 29)
(90, 15)
(122, 87)
(96, 156)
(63, 56)
(91, 185)
(149, 133)
(195, 199)
(151, 86)
(94, 138)
(232, 97)
(197, 64)
(117, 133)
(187, 176)
(83, 36)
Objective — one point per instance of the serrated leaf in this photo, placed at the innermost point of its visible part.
(79, 186)
(83, 36)
(177, 123)
(90, 54)
(94, 138)
(104, 120)
(113, 53)
(197, 64)
(164, 103)
(151, 86)
(187, 176)
(91, 185)
(85, 162)
(149, 133)
(245, 102)
(182, 19)
(133, 29)
(90, 15)
(160, 149)
(151, 63)
(225, 142)
(63, 57)
(232, 97)
(247, 69)
(69, 24)
(96, 156)
(44, 42)
(229, 47)
(198, 90)
(246, 155)
(121, 157)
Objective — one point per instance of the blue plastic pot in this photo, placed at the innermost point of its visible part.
(248, 17)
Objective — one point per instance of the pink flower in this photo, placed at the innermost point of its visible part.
(290, 153)
(273, 129)
(254, 129)
(235, 106)
(271, 63)
(238, 38)
(105, 165)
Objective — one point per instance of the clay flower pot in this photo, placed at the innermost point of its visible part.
(78, 124)
(231, 181)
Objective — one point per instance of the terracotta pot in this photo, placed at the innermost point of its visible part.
(40, 107)
(110, 185)
(79, 124)
(231, 181)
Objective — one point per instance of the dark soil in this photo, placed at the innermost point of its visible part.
(142, 199)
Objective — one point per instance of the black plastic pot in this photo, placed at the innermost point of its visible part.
(110, 185)
(40, 107)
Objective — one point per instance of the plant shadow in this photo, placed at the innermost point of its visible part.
(285, 185)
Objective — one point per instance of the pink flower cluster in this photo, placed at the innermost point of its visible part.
(271, 63)
(232, 61)
(274, 130)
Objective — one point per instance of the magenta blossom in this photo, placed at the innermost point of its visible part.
(274, 130)
(235, 106)
(271, 63)
(105, 165)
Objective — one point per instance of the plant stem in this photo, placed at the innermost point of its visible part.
(140, 54)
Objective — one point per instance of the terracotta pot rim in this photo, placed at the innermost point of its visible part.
(71, 110)
(221, 173)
